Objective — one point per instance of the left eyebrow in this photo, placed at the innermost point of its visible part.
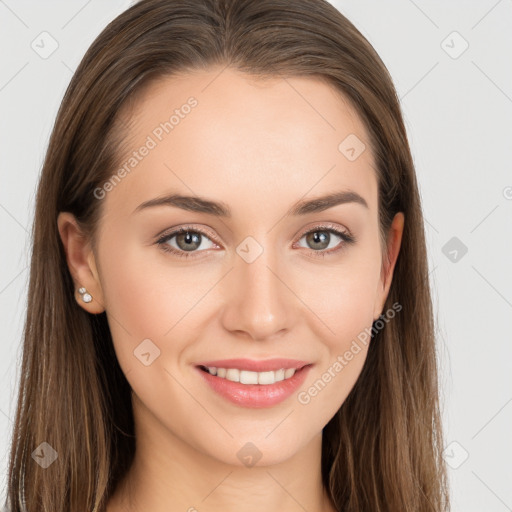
(220, 209)
(322, 203)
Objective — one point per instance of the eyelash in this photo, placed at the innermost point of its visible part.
(347, 238)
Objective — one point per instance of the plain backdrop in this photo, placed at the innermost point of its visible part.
(451, 63)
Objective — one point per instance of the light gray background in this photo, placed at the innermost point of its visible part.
(458, 110)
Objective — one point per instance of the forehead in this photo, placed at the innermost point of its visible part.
(223, 133)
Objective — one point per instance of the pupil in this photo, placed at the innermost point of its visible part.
(319, 238)
(189, 238)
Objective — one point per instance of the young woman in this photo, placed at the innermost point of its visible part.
(229, 304)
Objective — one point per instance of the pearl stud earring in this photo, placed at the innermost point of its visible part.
(86, 297)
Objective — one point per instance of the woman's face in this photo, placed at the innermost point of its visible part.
(255, 285)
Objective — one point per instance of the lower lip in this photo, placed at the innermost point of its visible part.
(255, 395)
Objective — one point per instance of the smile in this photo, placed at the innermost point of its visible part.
(254, 384)
(248, 377)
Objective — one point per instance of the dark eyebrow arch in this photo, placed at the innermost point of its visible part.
(319, 204)
(220, 209)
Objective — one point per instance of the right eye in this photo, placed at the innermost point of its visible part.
(187, 241)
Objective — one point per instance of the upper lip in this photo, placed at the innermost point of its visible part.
(255, 365)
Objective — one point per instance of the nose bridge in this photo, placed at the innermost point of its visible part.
(258, 302)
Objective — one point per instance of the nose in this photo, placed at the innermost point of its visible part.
(258, 300)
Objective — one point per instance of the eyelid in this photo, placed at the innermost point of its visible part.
(183, 228)
(342, 232)
(327, 226)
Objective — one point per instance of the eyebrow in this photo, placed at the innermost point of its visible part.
(220, 209)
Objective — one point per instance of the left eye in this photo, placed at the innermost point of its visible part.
(320, 239)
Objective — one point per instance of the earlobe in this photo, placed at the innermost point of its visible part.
(393, 249)
(81, 265)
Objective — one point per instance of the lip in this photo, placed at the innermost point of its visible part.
(256, 366)
(255, 395)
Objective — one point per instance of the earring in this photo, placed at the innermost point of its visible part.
(86, 297)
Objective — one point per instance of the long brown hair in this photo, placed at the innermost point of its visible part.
(382, 449)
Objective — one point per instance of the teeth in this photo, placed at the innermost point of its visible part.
(233, 374)
(279, 375)
(289, 373)
(266, 377)
(247, 377)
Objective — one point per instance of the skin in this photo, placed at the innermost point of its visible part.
(259, 147)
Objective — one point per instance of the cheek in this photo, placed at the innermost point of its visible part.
(341, 296)
(348, 317)
(342, 299)
(144, 301)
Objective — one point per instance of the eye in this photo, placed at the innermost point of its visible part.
(187, 241)
(320, 238)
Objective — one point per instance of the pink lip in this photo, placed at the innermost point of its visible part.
(256, 395)
(256, 366)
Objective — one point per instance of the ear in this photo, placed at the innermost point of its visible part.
(81, 262)
(388, 265)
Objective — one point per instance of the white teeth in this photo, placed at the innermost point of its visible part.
(248, 377)
(266, 377)
(279, 375)
(289, 373)
(233, 374)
